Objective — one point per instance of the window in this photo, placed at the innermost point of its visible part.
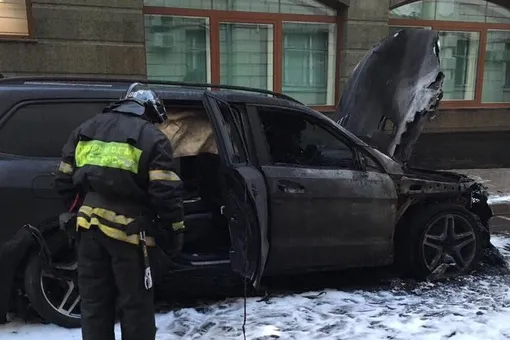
(234, 133)
(459, 57)
(507, 64)
(452, 10)
(461, 10)
(496, 80)
(424, 10)
(196, 56)
(234, 42)
(42, 129)
(460, 48)
(296, 140)
(309, 62)
(177, 48)
(14, 18)
(246, 55)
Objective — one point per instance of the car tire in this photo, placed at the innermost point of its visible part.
(441, 240)
(44, 292)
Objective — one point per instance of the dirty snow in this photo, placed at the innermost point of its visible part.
(496, 181)
(497, 199)
(472, 307)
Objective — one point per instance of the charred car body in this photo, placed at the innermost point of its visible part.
(271, 185)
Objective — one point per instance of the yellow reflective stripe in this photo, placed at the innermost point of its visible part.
(108, 154)
(86, 210)
(65, 168)
(106, 214)
(163, 175)
(113, 232)
(178, 225)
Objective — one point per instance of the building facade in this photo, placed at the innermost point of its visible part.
(304, 48)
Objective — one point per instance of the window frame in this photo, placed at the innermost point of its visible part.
(260, 138)
(482, 28)
(30, 27)
(277, 20)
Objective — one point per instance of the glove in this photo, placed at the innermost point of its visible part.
(171, 241)
(178, 236)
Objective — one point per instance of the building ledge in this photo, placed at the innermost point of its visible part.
(28, 40)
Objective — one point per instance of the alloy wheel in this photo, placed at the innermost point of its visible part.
(60, 289)
(449, 239)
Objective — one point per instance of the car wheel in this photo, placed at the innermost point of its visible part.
(53, 292)
(444, 241)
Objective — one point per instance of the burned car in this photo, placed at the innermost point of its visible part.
(271, 186)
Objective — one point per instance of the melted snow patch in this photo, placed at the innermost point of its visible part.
(471, 307)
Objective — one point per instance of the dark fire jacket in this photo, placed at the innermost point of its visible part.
(124, 167)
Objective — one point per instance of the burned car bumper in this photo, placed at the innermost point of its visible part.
(429, 185)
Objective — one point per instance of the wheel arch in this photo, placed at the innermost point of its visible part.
(409, 205)
(412, 206)
(14, 256)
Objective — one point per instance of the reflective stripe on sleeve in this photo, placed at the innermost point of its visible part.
(178, 226)
(163, 175)
(65, 168)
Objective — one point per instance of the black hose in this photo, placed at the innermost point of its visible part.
(39, 239)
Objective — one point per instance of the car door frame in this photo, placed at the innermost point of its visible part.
(264, 156)
(254, 197)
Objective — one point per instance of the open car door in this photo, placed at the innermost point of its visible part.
(245, 191)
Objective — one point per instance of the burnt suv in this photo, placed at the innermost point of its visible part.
(271, 186)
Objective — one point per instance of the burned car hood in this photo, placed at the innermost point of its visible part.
(393, 90)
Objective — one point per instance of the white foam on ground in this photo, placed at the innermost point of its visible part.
(473, 308)
(495, 199)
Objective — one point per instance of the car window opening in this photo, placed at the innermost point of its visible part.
(298, 141)
(197, 163)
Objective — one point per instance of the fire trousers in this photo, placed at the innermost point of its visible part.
(110, 275)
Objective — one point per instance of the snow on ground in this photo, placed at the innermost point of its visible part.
(498, 199)
(472, 307)
(496, 180)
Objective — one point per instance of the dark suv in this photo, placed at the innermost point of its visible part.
(272, 187)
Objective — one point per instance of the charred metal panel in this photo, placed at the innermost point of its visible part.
(394, 89)
(329, 218)
(408, 186)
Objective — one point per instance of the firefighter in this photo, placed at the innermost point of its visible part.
(121, 164)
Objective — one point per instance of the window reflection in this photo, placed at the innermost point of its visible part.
(177, 48)
(496, 80)
(246, 55)
(309, 62)
(459, 55)
(453, 10)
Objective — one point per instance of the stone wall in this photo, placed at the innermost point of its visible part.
(462, 150)
(364, 24)
(79, 37)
